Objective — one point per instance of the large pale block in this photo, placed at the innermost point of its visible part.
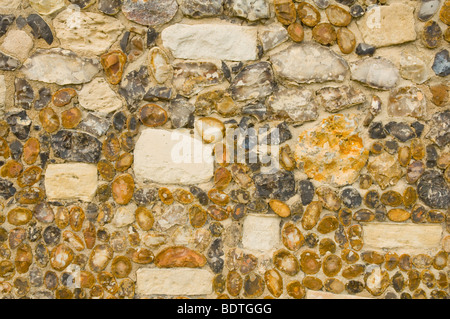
(402, 237)
(211, 41)
(261, 232)
(172, 157)
(311, 294)
(388, 25)
(71, 181)
(179, 281)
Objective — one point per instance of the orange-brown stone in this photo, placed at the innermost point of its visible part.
(49, 119)
(122, 189)
(31, 150)
(63, 97)
(153, 115)
(178, 256)
(71, 118)
(113, 64)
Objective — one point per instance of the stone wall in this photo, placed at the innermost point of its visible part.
(263, 148)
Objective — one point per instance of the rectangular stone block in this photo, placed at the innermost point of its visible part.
(388, 25)
(261, 232)
(311, 294)
(71, 181)
(175, 281)
(211, 41)
(172, 157)
(403, 237)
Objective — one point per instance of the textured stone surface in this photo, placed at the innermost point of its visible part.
(17, 43)
(261, 232)
(403, 237)
(71, 181)
(150, 12)
(251, 10)
(387, 25)
(173, 281)
(47, 7)
(334, 99)
(297, 105)
(102, 31)
(312, 63)
(407, 101)
(385, 170)
(201, 8)
(378, 73)
(333, 151)
(98, 96)
(272, 35)
(59, 66)
(174, 161)
(224, 42)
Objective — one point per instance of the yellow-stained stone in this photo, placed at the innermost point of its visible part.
(333, 152)
(71, 181)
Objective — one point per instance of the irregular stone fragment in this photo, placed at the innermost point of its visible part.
(309, 67)
(63, 97)
(377, 282)
(285, 11)
(377, 72)
(252, 10)
(335, 99)
(338, 16)
(72, 36)
(8, 63)
(92, 124)
(61, 257)
(414, 67)
(59, 66)
(296, 32)
(76, 146)
(18, 43)
(297, 105)
(97, 96)
(346, 40)
(49, 119)
(181, 112)
(308, 14)
(6, 20)
(159, 65)
(280, 185)
(444, 13)
(385, 170)
(110, 7)
(286, 262)
(201, 8)
(441, 64)
(39, 28)
(272, 35)
(179, 257)
(210, 129)
(113, 63)
(218, 41)
(176, 282)
(149, 12)
(100, 257)
(255, 81)
(433, 190)
(388, 25)
(357, 11)
(431, 34)
(349, 154)
(363, 49)
(428, 9)
(324, 33)
(402, 131)
(440, 128)
(191, 77)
